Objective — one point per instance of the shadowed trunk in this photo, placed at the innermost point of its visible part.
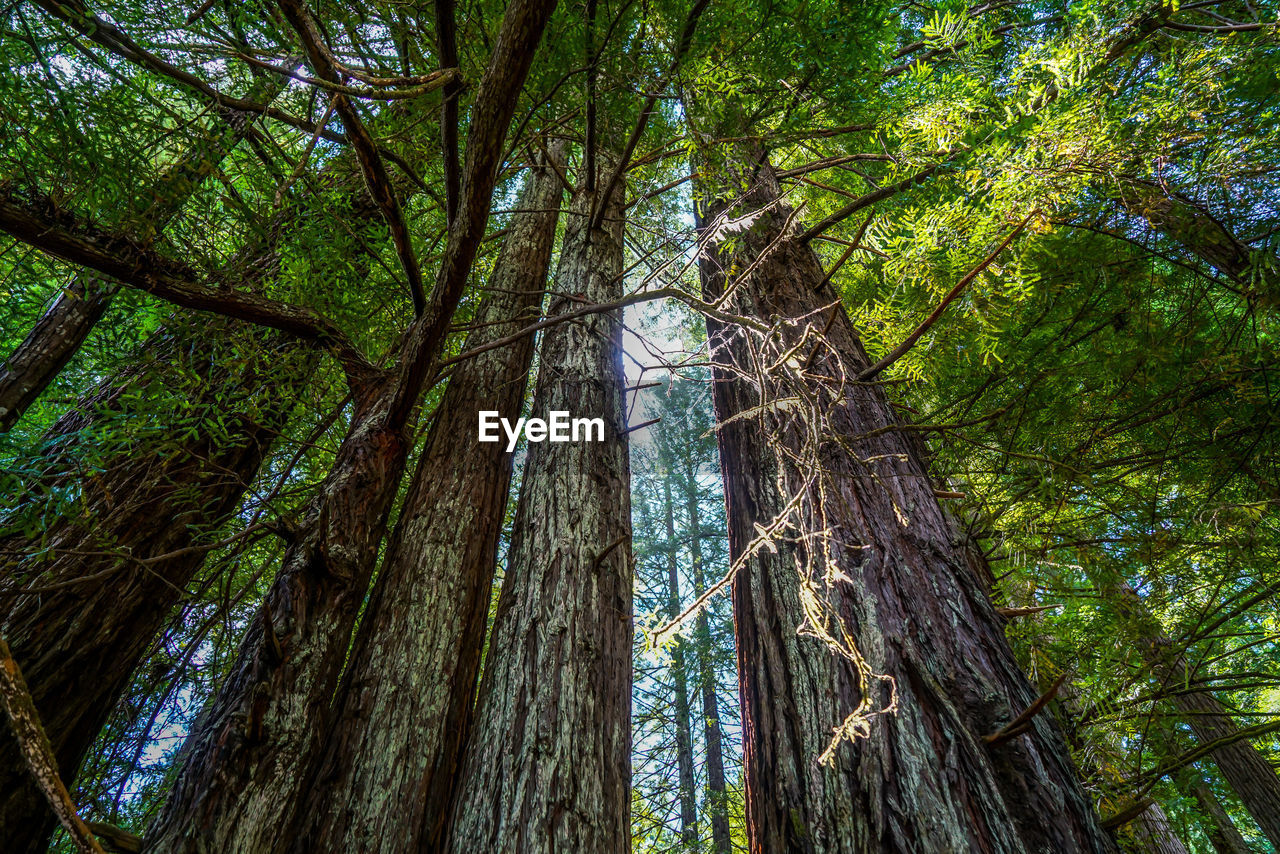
(61, 330)
(1153, 834)
(247, 759)
(548, 767)
(1221, 830)
(404, 708)
(679, 672)
(1192, 226)
(865, 559)
(105, 576)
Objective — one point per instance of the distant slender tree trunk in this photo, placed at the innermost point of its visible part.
(61, 330)
(1221, 830)
(1191, 225)
(548, 767)
(246, 760)
(680, 676)
(103, 579)
(717, 799)
(404, 708)
(793, 426)
(1244, 768)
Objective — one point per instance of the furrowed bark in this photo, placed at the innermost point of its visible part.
(101, 586)
(1244, 768)
(679, 672)
(717, 801)
(919, 778)
(1152, 833)
(246, 760)
(548, 767)
(61, 330)
(404, 708)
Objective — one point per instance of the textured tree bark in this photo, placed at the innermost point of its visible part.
(717, 801)
(1221, 830)
(679, 672)
(1244, 768)
(886, 577)
(102, 578)
(61, 330)
(247, 759)
(1153, 834)
(404, 708)
(548, 767)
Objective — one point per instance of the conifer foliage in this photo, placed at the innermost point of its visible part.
(932, 346)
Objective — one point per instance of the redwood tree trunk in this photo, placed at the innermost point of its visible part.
(680, 675)
(885, 577)
(548, 767)
(101, 583)
(1153, 834)
(404, 708)
(1244, 768)
(1221, 830)
(1192, 226)
(246, 761)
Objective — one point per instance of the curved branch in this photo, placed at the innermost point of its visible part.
(57, 234)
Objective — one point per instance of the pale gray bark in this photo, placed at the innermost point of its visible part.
(549, 764)
(404, 709)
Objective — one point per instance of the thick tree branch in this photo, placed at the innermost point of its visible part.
(495, 104)
(58, 234)
(447, 46)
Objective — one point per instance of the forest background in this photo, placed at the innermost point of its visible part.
(249, 249)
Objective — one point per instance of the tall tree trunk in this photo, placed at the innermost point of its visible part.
(1244, 768)
(404, 708)
(1153, 834)
(867, 560)
(1192, 226)
(717, 799)
(104, 578)
(246, 761)
(680, 675)
(548, 767)
(63, 328)
(1221, 830)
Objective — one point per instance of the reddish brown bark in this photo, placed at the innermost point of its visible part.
(245, 763)
(102, 584)
(404, 709)
(921, 778)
